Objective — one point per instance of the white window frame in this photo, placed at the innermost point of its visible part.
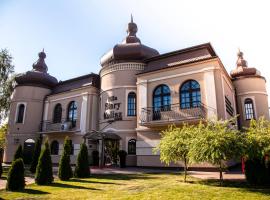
(243, 106)
(17, 112)
(126, 104)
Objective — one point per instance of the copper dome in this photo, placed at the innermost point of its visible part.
(38, 76)
(130, 49)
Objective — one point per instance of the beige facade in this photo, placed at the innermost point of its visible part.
(137, 94)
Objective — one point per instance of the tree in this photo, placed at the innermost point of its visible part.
(65, 171)
(215, 143)
(257, 151)
(3, 132)
(6, 82)
(15, 178)
(35, 156)
(82, 169)
(175, 145)
(18, 153)
(44, 172)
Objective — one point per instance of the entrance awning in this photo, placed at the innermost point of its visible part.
(106, 135)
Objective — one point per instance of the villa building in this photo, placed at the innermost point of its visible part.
(137, 94)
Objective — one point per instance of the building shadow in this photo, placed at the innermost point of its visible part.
(96, 182)
(64, 185)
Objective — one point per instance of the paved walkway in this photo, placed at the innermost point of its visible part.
(234, 176)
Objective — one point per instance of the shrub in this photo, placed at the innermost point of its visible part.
(65, 171)
(257, 172)
(122, 155)
(19, 153)
(35, 156)
(1, 169)
(15, 179)
(95, 156)
(44, 173)
(82, 169)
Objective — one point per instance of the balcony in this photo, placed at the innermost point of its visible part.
(64, 126)
(170, 114)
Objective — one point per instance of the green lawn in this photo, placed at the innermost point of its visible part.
(142, 186)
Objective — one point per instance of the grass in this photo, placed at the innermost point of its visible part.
(139, 186)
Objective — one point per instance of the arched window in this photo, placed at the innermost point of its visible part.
(190, 94)
(57, 113)
(20, 115)
(162, 98)
(54, 147)
(132, 147)
(249, 109)
(131, 104)
(72, 113)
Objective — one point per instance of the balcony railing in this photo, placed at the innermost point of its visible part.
(171, 113)
(50, 126)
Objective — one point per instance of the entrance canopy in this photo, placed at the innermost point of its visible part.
(94, 135)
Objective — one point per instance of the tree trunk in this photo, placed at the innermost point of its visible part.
(185, 169)
(220, 174)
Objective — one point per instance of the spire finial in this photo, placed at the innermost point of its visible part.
(241, 62)
(43, 50)
(40, 64)
(131, 20)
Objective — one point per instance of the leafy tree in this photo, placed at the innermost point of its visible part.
(44, 172)
(6, 82)
(15, 178)
(3, 132)
(258, 139)
(18, 153)
(35, 156)
(216, 143)
(82, 169)
(65, 171)
(175, 145)
(256, 150)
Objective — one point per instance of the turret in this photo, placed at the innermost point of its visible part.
(26, 108)
(118, 87)
(250, 86)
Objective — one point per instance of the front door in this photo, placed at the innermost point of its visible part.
(111, 149)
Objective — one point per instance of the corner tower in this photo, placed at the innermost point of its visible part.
(26, 108)
(250, 86)
(118, 85)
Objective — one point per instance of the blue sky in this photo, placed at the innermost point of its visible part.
(76, 33)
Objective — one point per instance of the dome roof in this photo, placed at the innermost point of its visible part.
(38, 75)
(242, 68)
(130, 49)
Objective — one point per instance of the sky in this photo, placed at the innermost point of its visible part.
(76, 33)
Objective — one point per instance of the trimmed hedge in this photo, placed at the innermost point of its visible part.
(82, 169)
(15, 178)
(19, 153)
(257, 172)
(122, 155)
(44, 172)
(95, 156)
(65, 170)
(35, 156)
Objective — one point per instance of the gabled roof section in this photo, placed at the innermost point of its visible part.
(78, 82)
(184, 56)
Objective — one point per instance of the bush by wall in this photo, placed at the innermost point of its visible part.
(122, 155)
(257, 172)
(35, 156)
(82, 169)
(19, 153)
(44, 173)
(95, 156)
(65, 171)
(15, 179)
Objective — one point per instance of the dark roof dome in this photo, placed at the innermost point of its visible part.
(130, 49)
(38, 75)
(242, 68)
